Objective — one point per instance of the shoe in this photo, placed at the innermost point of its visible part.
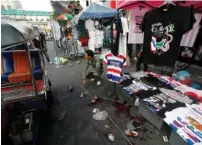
(98, 83)
(92, 79)
(50, 62)
(131, 133)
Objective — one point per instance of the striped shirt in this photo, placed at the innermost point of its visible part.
(114, 66)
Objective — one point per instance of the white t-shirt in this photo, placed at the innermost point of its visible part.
(189, 38)
(123, 38)
(135, 35)
(124, 26)
(90, 26)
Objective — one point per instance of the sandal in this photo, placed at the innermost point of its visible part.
(131, 133)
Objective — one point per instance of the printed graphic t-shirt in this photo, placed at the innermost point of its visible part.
(135, 35)
(114, 66)
(163, 33)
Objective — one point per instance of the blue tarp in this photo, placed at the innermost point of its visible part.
(97, 11)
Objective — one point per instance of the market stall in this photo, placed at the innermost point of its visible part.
(155, 94)
(158, 96)
(91, 22)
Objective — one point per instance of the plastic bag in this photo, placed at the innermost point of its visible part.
(102, 115)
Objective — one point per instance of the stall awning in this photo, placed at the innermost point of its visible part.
(98, 11)
(126, 3)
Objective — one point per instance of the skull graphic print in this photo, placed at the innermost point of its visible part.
(161, 38)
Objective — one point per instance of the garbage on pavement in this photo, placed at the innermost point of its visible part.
(111, 137)
(96, 110)
(94, 100)
(131, 133)
(82, 95)
(70, 89)
(102, 115)
(165, 138)
(62, 116)
(60, 60)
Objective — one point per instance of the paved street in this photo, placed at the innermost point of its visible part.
(79, 127)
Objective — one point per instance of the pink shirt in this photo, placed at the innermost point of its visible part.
(135, 35)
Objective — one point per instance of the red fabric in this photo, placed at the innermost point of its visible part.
(84, 41)
(113, 4)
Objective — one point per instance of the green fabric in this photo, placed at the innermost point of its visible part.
(68, 16)
(95, 65)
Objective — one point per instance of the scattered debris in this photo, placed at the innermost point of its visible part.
(137, 102)
(62, 116)
(107, 126)
(82, 95)
(94, 100)
(131, 133)
(70, 65)
(78, 62)
(102, 115)
(111, 137)
(96, 110)
(157, 132)
(165, 138)
(70, 89)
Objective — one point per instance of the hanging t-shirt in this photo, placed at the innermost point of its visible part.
(189, 38)
(114, 66)
(90, 26)
(135, 34)
(123, 38)
(164, 30)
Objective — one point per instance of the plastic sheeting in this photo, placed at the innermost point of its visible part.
(97, 11)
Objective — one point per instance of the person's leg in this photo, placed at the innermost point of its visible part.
(145, 67)
(46, 56)
(97, 76)
(90, 75)
(138, 64)
(127, 59)
(98, 80)
(138, 48)
(130, 50)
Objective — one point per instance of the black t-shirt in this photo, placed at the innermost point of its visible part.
(163, 31)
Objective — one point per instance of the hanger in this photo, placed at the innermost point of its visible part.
(167, 2)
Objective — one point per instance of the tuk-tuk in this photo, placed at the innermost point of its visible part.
(24, 82)
(23, 74)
